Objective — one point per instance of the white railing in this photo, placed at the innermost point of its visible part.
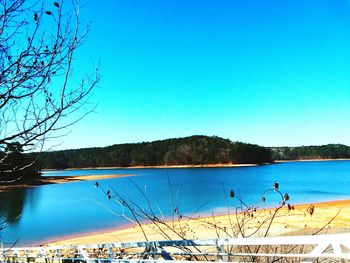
(326, 248)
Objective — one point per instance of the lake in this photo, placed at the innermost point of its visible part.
(53, 211)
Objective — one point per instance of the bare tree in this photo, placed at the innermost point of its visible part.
(37, 90)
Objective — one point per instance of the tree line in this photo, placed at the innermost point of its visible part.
(329, 151)
(193, 150)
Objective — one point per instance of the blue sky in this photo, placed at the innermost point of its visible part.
(268, 72)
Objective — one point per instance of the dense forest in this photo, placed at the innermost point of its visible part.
(329, 151)
(194, 150)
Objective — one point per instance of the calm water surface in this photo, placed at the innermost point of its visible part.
(52, 211)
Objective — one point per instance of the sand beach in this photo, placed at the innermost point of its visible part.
(327, 217)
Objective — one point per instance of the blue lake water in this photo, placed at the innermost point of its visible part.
(52, 211)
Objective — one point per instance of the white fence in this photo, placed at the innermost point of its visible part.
(319, 248)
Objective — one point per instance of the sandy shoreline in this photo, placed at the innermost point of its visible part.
(219, 165)
(297, 221)
(311, 160)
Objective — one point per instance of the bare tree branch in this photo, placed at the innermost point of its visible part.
(37, 91)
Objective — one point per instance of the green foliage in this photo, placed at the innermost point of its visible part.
(250, 153)
(16, 166)
(329, 151)
(193, 150)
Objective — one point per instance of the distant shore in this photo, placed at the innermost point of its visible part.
(312, 160)
(331, 217)
(69, 179)
(43, 180)
(219, 165)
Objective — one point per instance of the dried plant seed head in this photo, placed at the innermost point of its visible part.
(48, 13)
(286, 197)
(232, 194)
(276, 185)
(96, 184)
(263, 199)
(310, 210)
(56, 4)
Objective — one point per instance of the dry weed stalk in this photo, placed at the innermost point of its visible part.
(247, 220)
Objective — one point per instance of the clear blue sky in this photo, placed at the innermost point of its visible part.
(268, 72)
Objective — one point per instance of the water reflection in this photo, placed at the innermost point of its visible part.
(12, 205)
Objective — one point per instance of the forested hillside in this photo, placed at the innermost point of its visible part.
(194, 150)
(329, 151)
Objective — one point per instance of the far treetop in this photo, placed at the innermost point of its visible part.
(193, 150)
